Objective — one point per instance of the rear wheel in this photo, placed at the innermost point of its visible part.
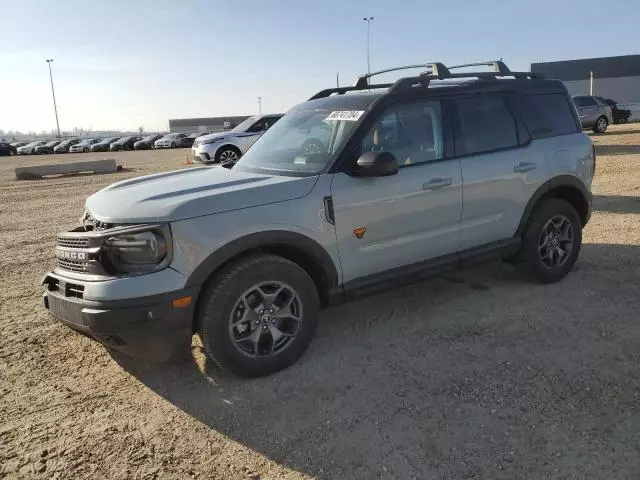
(601, 125)
(258, 315)
(85, 150)
(551, 241)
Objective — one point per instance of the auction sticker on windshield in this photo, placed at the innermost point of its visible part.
(345, 115)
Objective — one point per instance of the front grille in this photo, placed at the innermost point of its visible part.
(73, 266)
(73, 242)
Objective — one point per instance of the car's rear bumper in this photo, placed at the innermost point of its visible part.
(149, 327)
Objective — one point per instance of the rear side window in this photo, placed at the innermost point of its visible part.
(547, 115)
(484, 124)
(584, 101)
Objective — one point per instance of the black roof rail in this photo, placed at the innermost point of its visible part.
(341, 90)
(435, 71)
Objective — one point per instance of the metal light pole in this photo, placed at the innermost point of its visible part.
(368, 20)
(259, 105)
(53, 93)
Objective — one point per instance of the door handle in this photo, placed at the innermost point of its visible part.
(522, 167)
(436, 183)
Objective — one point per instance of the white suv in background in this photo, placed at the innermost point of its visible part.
(227, 147)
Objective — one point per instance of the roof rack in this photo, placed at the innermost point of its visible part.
(435, 71)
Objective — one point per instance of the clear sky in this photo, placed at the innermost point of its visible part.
(122, 64)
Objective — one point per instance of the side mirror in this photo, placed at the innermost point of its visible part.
(376, 164)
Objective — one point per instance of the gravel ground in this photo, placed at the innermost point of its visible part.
(475, 375)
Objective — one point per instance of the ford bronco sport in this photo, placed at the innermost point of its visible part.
(413, 178)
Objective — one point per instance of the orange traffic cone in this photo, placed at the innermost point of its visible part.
(187, 160)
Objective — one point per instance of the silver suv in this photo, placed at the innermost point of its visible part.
(410, 179)
(227, 147)
(594, 113)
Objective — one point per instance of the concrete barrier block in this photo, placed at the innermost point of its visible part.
(39, 171)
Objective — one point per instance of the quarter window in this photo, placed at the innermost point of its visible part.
(484, 124)
(548, 115)
(411, 132)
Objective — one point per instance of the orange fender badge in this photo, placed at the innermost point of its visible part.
(359, 232)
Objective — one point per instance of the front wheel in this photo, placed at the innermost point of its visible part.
(551, 241)
(227, 156)
(85, 150)
(258, 315)
(601, 125)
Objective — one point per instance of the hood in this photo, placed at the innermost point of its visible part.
(229, 134)
(192, 192)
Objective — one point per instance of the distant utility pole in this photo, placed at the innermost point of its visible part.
(591, 83)
(338, 80)
(368, 20)
(55, 108)
(259, 105)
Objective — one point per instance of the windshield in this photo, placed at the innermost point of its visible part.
(302, 142)
(149, 138)
(243, 126)
(52, 143)
(86, 142)
(35, 144)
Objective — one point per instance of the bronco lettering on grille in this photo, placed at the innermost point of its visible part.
(71, 255)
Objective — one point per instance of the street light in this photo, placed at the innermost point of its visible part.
(55, 108)
(368, 20)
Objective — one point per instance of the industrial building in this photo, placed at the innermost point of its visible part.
(617, 78)
(212, 124)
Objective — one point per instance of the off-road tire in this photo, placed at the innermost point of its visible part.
(528, 260)
(221, 294)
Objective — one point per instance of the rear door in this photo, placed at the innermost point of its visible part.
(500, 168)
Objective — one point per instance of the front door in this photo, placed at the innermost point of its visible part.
(389, 222)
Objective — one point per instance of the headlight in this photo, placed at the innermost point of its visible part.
(136, 252)
(211, 140)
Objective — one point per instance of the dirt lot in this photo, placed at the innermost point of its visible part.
(477, 375)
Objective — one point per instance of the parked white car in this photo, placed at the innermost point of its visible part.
(30, 148)
(227, 147)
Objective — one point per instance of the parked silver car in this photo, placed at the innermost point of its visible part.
(593, 112)
(84, 146)
(171, 140)
(227, 147)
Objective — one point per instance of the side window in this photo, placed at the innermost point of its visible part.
(269, 121)
(411, 132)
(484, 124)
(547, 115)
(579, 101)
(259, 126)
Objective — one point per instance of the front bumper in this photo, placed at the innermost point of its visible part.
(148, 327)
(205, 153)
